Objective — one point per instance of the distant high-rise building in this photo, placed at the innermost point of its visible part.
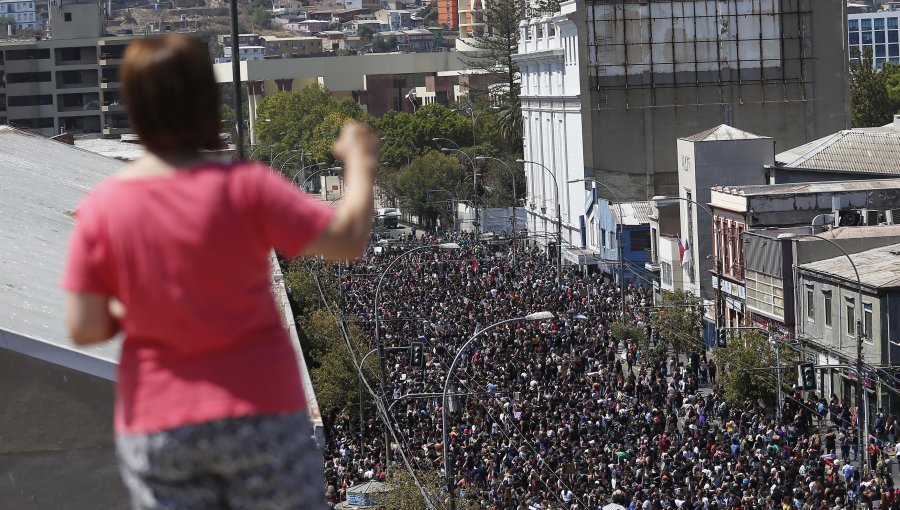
(877, 32)
(471, 18)
(448, 13)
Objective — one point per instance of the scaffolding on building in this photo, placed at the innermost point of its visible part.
(670, 53)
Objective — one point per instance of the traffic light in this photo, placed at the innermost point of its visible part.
(417, 355)
(722, 338)
(807, 376)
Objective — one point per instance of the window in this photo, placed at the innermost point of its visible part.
(892, 23)
(879, 23)
(851, 319)
(867, 321)
(27, 54)
(67, 16)
(42, 99)
(665, 270)
(867, 37)
(810, 304)
(867, 24)
(854, 39)
(603, 237)
(879, 37)
(640, 241)
(612, 239)
(853, 25)
(827, 307)
(593, 240)
(765, 293)
(43, 76)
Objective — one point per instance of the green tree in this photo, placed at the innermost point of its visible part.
(407, 136)
(498, 182)
(509, 120)
(870, 102)
(679, 320)
(334, 375)
(433, 170)
(384, 44)
(366, 32)
(891, 74)
(404, 494)
(745, 368)
(309, 119)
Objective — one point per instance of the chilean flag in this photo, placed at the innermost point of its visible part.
(684, 250)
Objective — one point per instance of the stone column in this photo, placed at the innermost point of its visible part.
(254, 89)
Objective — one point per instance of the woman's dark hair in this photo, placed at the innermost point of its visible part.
(171, 94)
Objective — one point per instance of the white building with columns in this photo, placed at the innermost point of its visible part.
(553, 142)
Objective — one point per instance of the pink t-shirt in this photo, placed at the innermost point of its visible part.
(187, 255)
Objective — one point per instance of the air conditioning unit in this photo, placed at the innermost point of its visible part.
(850, 218)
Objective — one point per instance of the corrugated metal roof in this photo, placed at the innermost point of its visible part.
(877, 267)
(810, 187)
(722, 132)
(856, 150)
(41, 182)
(634, 213)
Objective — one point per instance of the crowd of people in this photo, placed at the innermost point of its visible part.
(560, 414)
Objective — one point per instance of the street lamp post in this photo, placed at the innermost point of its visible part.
(476, 223)
(448, 467)
(558, 220)
(720, 308)
(862, 424)
(513, 176)
(620, 232)
(472, 113)
(302, 170)
(378, 343)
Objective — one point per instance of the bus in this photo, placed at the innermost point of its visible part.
(387, 217)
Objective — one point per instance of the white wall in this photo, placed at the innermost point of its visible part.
(551, 111)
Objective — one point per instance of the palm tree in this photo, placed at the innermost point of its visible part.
(509, 120)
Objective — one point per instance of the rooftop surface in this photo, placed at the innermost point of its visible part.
(722, 132)
(837, 233)
(810, 187)
(868, 150)
(877, 267)
(633, 213)
(39, 197)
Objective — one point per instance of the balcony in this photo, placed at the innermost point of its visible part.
(110, 83)
(112, 107)
(110, 59)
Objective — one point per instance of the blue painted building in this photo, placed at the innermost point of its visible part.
(634, 218)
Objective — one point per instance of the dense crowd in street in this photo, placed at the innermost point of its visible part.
(559, 414)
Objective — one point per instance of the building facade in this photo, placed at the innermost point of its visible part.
(608, 86)
(448, 13)
(65, 84)
(839, 313)
(876, 32)
(20, 14)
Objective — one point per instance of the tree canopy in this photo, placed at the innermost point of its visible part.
(309, 119)
(871, 103)
(679, 320)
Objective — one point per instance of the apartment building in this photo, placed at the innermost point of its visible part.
(878, 32)
(20, 14)
(290, 47)
(69, 83)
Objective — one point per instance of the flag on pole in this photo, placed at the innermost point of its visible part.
(680, 251)
(687, 259)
